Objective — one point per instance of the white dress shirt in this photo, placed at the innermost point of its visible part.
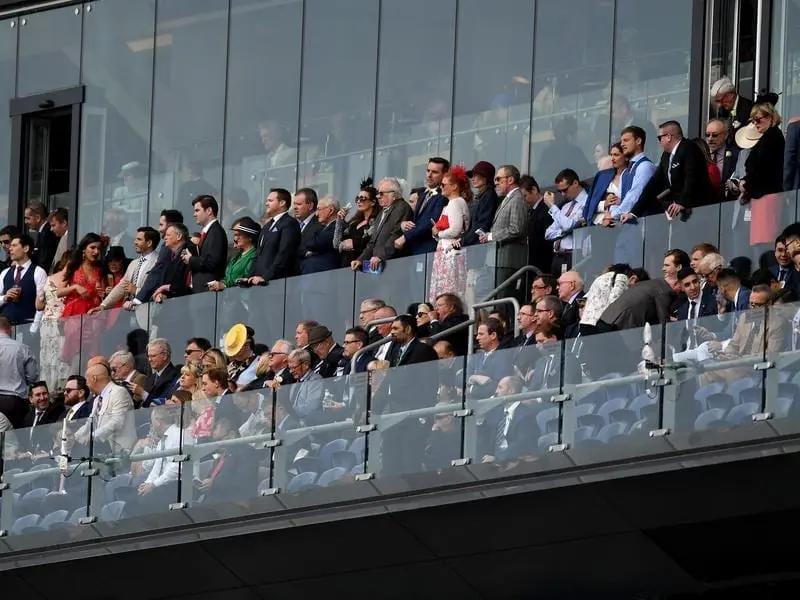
(164, 469)
(39, 279)
(565, 219)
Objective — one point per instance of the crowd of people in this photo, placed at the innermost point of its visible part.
(253, 385)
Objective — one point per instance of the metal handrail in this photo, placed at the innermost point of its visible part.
(380, 321)
(367, 348)
(475, 307)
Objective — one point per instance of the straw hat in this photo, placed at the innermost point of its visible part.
(747, 136)
(235, 339)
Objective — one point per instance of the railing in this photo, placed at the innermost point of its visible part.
(583, 402)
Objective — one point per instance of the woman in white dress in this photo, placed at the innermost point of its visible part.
(450, 263)
(53, 370)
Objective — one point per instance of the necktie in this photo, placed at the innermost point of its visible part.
(136, 270)
(302, 226)
(690, 321)
(99, 403)
(669, 169)
(36, 418)
(202, 237)
(18, 276)
(746, 349)
(567, 213)
(692, 316)
(500, 436)
(781, 274)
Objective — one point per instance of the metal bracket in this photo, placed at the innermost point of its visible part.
(180, 458)
(561, 398)
(460, 414)
(365, 476)
(3, 533)
(366, 428)
(4, 486)
(764, 366)
(659, 433)
(270, 491)
(87, 520)
(271, 444)
(662, 382)
(89, 472)
(460, 462)
(558, 448)
(178, 506)
(765, 416)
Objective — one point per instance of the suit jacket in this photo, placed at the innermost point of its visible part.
(276, 252)
(63, 246)
(522, 435)
(540, 250)
(597, 193)
(40, 437)
(114, 419)
(386, 230)
(494, 365)
(792, 277)
(232, 467)
(306, 397)
(306, 235)
(791, 158)
(729, 163)
(509, 232)
(459, 339)
(707, 308)
(328, 365)
(748, 337)
(176, 273)
(571, 317)
(209, 264)
(764, 165)
(743, 108)
(481, 215)
(325, 257)
(158, 387)
(419, 240)
(118, 293)
(45, 250)
(154, 276)
(410, 387)
(84, 412)
(689, 185)
(547, 370)
(646, 302)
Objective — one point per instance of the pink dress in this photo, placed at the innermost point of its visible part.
(449, 273)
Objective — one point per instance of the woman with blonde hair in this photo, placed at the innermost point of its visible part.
(190, 379)
(214, 359)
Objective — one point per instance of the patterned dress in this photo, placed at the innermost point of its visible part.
(449, 273)
(53, 370)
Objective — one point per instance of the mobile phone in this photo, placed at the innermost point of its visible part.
(480, 232)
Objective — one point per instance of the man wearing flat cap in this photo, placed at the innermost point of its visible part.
(321, 341)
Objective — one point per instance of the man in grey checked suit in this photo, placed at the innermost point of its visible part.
(509, 231)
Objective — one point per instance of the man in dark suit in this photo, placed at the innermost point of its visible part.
(784, 271)
(791, 156)
(305, 208)
(381, 245)
(486, 369)
(175, 277)
(731, 107)
(46, 242)
(723, 155)
(209, 264)
(163, 378)
(449, 312)
(681, 181)
(317, 251)
(403, 389)
(156, 274)
(510, 430)
(485, 204)
(417, 238)
(694, 303)
(570, 290)
(321, 343)
(278, 242)
(645, 302)
(540, 250)
(42, 412)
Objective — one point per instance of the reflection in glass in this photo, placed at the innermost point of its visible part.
(117, 71)
(8, 63)
(492, 84)
(572, 83)
(339, 70)
(188, 103)
(414, 103)
(49, 50)
(262, 110)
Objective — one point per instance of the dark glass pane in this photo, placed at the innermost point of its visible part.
(8, 72)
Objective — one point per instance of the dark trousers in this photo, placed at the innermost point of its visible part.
(562, 262)
(14, 408)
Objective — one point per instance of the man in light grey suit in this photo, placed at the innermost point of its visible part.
(509, 231)
(305, 395)
(112, 412)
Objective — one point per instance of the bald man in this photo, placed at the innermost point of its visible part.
(112, 412)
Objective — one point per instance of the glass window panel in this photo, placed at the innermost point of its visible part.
(785, 55)
(188, 103)
(49, 50)
(415, 89)
(339, 71)
(651, 70)
(8, 72)
(117, 71)
(492, 85)
(572, 81)
(261, 128)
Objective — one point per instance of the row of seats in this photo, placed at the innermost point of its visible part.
(62, 519)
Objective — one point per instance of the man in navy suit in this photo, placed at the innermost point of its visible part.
(509, 430)
(489, 367)
(209, 264)
(278, 242)
(784, 271)
(417, 236)
(317, 251)
(155, 276)
(694, 303)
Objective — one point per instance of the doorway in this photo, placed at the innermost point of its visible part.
(44, 155)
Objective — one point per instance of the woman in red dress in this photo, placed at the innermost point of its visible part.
(83, 288)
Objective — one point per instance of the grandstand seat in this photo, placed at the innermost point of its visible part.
(303, 481)
(331, 476)
(788, 390)
(31, 502)
(591, 421)
(742, 413)
(327, 452)
(308, 464)
(611, 431)
(357, 446)
(610, 406)
(263, 486)
(721, 401)
(116, 482)
(705, 420)
(358, 469)
(623, 415)
(60, 501)
(595, 398)
(583, 433)
(25, 522)
(547, 440)
(754, 394)
(77, 515)
(345, 459)
(734, 387)
(700, 396)
(784, 407)
(795, 379)
(57, 516)
(546, 415)
(638, 403)
(9, 472)
(784, 376)
(641, 427)
(112, 511)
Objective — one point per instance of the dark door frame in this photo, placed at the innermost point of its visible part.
(29, 106)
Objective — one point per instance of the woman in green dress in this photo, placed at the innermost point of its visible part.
(245, 236)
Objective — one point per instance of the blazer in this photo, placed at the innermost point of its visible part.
(743, 108)
(481, 215)
(509, 232)
(176, 273)
(708, 305)
(522, 435)
(547, 370)
(328, 365)
(386, 230)
(45, 250)
(646, 302)
(495, 366)
(276, 253)
(158, 387)
(114, 419)
(408, 388)
(792, 277)
(324, 256)
(540, 250)
(40, 437)
(118, 293)
(459, 339)
(571, 317)
(306, 235)
(764, 165)
(597, 193)
(791, 157)
(419, 240)
(209, 264)
(689, 186)
(306, 396)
